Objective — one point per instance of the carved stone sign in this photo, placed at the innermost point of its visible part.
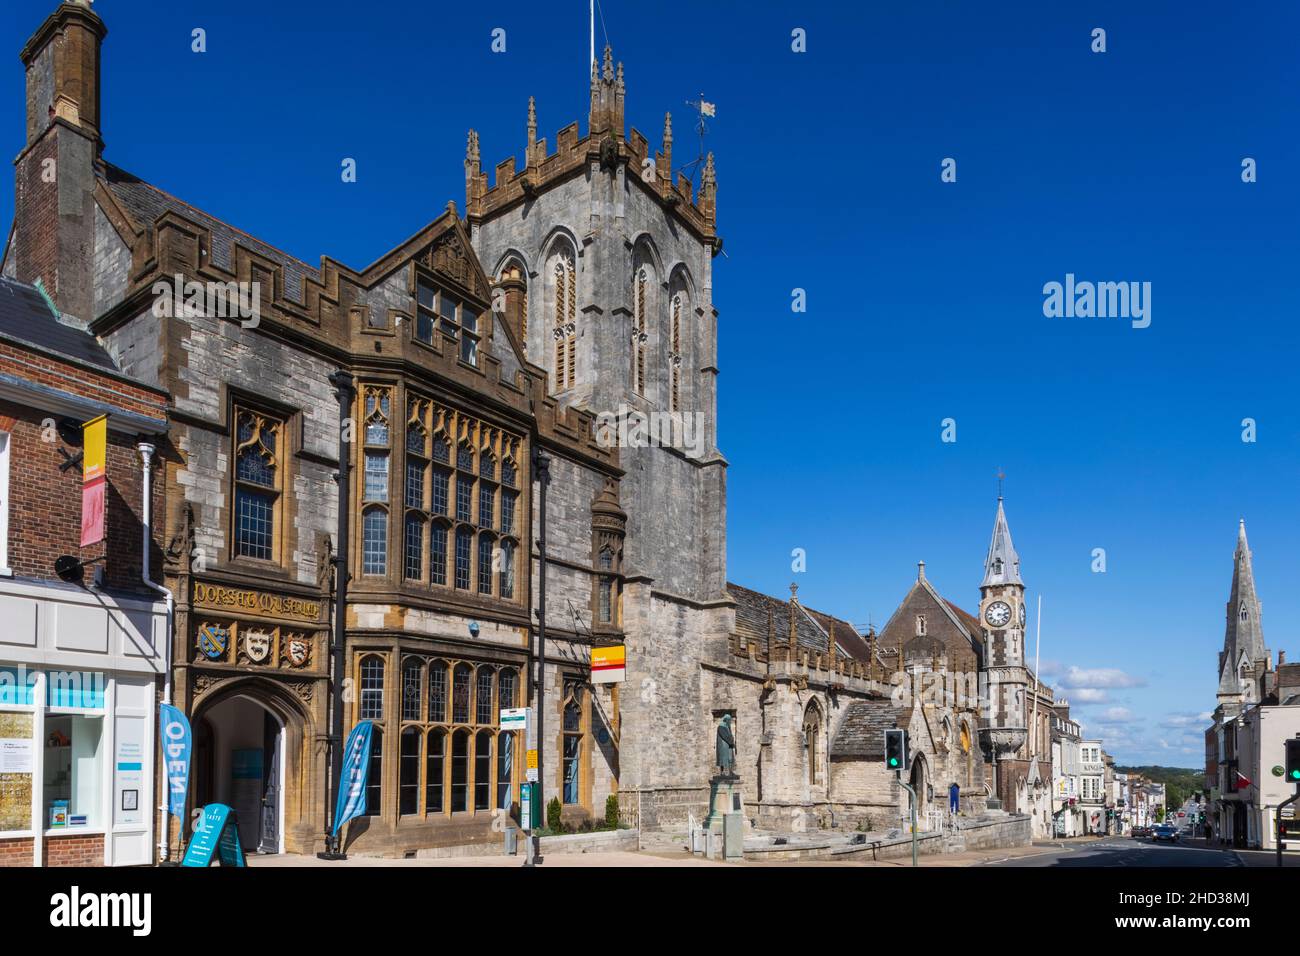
(219, 597)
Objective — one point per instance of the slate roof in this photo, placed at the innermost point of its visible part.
(145, 203)
(813, 628)
(862, 729)
(26, 318)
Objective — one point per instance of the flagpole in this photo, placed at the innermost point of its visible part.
(591, 13)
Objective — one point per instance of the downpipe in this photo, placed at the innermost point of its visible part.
(146, 451)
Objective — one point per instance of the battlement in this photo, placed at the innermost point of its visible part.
(605, 148)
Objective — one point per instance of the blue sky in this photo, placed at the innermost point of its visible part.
(924, 298)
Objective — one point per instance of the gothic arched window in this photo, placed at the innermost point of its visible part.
(675, 356)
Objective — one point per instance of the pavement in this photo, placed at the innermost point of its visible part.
(1127, 852)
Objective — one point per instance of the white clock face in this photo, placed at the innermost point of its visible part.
(998, 613)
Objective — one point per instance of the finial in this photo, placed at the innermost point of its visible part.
(1001, 476)
(609, 63)
(710, 174)
(471, 148)
(668, 128)
(794, 589)
(618, 82)
(920, 570)
(532, 121)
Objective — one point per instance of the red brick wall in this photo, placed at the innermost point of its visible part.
(45, 505)
(17, 852)
(87, 850)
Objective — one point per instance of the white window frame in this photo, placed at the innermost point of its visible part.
(6, 441)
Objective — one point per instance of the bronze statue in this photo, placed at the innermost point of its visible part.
(726, 748)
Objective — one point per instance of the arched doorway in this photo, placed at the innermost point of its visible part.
(239, 753)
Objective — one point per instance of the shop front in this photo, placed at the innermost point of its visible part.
(78, 672)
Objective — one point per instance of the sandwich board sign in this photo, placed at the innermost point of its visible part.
(218, 836)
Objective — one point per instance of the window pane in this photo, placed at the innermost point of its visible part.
(506, 689)
(447, 307)
(414, 484)
(441, 450)
(483, 770)
(376, 477)
(508, 474)
(469, 350)
(460, 694)
(437, 692)
(465, 458)
(424, 327)
(424, 295)
(507, 575)
(74, 772)
(483, 697)
(438, 492)
(374, 781)
(572, 748)
(505, 766)
(372, 689)
(438, 554)
(414, 548)
(414, 436)
(377, 432)
(374, 543)
(485, 506)
(484, 565)
(464, 497)
(606, 600)
(462, 558)
(487, 466)
(411, 691)
(507, 512)
(460, 771)
(433, 772)
(408, 797)
(255, 517)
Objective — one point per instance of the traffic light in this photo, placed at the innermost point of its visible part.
(1293, 760)
(896, 749)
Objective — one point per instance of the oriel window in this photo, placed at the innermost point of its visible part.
(257, 484)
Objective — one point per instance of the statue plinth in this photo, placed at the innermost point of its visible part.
(724, 827)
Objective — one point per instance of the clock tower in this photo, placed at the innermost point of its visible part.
(1002, 623)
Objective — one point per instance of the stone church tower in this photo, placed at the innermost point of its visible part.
(1244, 652)
(605, 262)
(1002, 618)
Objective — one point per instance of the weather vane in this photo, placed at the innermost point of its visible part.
(705, 109)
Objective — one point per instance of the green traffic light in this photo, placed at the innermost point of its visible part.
(1295, 774)
(893, 761)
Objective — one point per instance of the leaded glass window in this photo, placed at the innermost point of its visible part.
(437, 691)
(411, 690)
(463, 557)
(484, 565)
(372, 689)
(483, 697)
(460, 692)
(438, 554)
(408, 784)
(483, 770)
(374, 541)
(257, 484)
(434, 762)
(414, 548)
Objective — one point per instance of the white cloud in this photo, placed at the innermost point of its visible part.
(1085, 695)
(1098, 677)
(1119, 715)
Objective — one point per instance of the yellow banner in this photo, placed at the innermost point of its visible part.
(94, 448)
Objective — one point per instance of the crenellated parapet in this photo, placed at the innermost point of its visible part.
(606, 146)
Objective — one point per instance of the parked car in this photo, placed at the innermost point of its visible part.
(1139, 833)
(1164, 832)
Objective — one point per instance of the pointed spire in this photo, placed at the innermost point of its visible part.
(532, 122)
(708, 201)
(608, 72)
(1002, 566)
(666, 154)
(1243, 639)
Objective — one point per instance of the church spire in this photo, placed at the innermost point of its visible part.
(1243, 640)
(1002, 566)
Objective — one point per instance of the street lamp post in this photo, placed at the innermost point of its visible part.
(542, 469)
(343, 390)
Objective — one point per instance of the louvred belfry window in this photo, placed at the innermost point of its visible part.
(639, 335)
(565, 332)
(676, 357)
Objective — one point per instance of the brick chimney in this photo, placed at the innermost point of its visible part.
(54, 206)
